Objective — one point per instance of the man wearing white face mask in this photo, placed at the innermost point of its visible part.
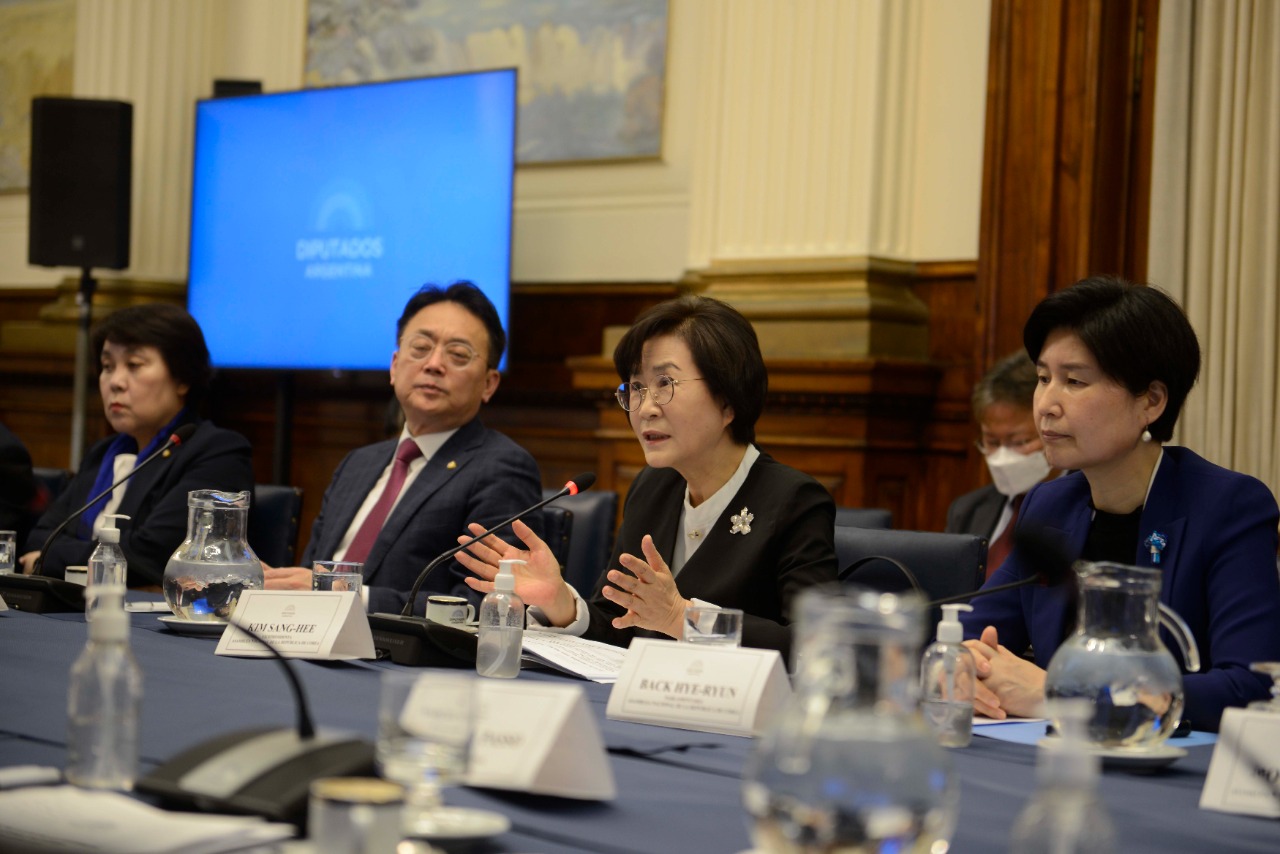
(1015, 457)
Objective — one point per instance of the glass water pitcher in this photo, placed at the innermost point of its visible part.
(206, 574)
(849, 765)
(1115, 658)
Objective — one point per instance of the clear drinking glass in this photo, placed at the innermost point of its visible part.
(8, 550)
(849, 765)
(337, 575)
(425, 726)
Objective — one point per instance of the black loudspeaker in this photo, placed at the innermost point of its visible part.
(81, 182)
(236, 88)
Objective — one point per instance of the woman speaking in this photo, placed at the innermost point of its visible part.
(1114, 364)
(710, 517)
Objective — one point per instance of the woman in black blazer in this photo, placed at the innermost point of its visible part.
(710, 518)
(154, 372)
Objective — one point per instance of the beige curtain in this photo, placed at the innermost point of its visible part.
(1215, 219)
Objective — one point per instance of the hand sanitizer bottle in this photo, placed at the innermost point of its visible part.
(501, 636)
(1065, 815)
(103, 699)
(948, 676)
(107, 564)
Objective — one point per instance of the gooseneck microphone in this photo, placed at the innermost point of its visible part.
(1037, 549)
(37, 593)
(416, 641)
(580, 483)
(175, 440)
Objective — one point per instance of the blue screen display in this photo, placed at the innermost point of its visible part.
(316, 214)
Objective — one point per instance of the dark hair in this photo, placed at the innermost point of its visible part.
(469, 297)
(1138, 334)
(724, 347)
(1011, 380)
(170, 330)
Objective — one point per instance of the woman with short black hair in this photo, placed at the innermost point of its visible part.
(154, 373)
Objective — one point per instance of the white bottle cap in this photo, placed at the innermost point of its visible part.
(110, 533)
(108, 620)
(949, 628)
(506, 580)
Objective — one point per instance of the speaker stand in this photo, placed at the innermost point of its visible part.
(84, 302)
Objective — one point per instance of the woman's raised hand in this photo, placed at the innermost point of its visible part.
(538, 582)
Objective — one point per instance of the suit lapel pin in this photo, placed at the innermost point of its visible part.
(742, 522)
(1156, 544)
(451, 465)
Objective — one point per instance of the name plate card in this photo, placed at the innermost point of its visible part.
(319, 625)
(702, 687)
(1244, 774)
(541, 738)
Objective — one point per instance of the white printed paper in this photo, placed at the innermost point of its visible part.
(317, 625)
(599, 662)
(1244, 774)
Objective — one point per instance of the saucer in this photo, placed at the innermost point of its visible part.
(458, 824)
(1151, 759)
(202, 628)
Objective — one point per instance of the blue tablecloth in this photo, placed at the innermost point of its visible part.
(677, 790)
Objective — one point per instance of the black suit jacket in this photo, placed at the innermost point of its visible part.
(155, 502)
(791, 546)
(478, 475)
(17, 485)
(976, 512)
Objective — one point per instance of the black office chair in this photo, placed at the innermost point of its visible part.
(50, 482)
(863, 517)
(943, 564)
(557, 525)
(593, 513)
(273, 523)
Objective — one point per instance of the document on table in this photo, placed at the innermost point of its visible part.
(64, 818)
(599, 662)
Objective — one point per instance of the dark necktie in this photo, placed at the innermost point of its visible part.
(999, 550)
(372, 525)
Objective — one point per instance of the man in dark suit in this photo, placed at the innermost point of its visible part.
(1013, 452)
(396, 505)
(17, 485)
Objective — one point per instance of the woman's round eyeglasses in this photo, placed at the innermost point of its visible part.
(631, 395)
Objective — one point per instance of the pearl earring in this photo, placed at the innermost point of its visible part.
(1146, 436)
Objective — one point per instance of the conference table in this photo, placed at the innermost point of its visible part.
(677, 790)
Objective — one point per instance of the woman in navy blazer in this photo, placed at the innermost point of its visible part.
(710, 517)
(1115, 362)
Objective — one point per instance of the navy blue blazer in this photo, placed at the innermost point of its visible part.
(155, 502)
(791, 546)
(1219, 574)
(478, 475)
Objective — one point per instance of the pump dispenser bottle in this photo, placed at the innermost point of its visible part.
(948, 676)
(103, 699)
(107, 564)
(501, 636)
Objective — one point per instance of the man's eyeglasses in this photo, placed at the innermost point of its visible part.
(631, 395)
(455, 353)
(1021, 445)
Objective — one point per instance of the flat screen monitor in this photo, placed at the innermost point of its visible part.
(316, 214)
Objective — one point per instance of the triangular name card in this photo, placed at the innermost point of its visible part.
(318, 625)
(541, 738)
(1244, 774)
(708, 688)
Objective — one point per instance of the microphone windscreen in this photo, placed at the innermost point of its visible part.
(581, 483)
(1043, 551)
(182, 434)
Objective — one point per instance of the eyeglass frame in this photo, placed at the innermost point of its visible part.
(624, 390)
(407, 348)
(1017, 445)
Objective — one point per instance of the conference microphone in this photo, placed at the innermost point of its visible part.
(40, 594)
(1036, 548)
(417, 641)
(261, 771)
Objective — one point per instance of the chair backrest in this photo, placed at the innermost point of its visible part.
(557, 525)
(50, 481)
(273, 523)
(944, 564)
(591, 543)
(863, 517)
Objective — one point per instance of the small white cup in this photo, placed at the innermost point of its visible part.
(706, 624)
(450, 610)
(355, 815)
(336, 576)
(77, 575)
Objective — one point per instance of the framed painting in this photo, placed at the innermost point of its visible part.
(37, 47)
(592, 72)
